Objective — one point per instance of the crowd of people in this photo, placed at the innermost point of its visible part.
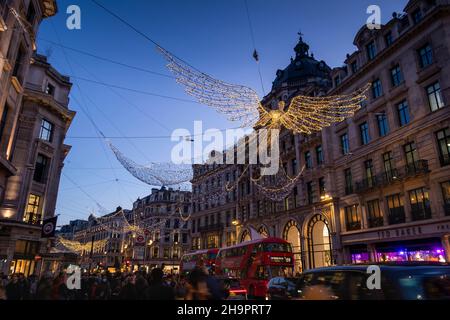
(198, 285)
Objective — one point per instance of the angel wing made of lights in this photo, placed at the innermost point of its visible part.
(237, 102)
(156, 174)
(310, 114)
(240, 103)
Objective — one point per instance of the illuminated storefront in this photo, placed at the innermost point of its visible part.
(418, 243)
(24, 257)
(427, 250)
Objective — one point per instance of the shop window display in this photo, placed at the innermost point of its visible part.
(435, 255)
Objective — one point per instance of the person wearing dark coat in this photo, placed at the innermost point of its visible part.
(157, 290)
(128, 291)
(141, 287)
(44, 289)
(14, 289)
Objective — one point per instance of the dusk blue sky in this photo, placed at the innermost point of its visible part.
(212, 35)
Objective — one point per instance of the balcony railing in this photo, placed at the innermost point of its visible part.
(397, 215)
(366, 184)
(389, 177)
(351, 226)
(376, 222)
(415, 168)
(348, 190)
(447, 209)
(420, 213)
(211, 228)
(445, 160)
(33, 219)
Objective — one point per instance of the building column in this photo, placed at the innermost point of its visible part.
(407, 206)
(9, 255)
(446, 246)
(303, 257)
(385, 210)
(345, 257)
(364, 220)
(372, 252)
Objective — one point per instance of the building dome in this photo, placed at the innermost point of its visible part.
(302, 68)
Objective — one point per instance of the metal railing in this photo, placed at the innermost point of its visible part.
(376, 222)
(211, 227)
(351, 226)
(447, 209)
(397, 215)
(391, 176)
(420, 213)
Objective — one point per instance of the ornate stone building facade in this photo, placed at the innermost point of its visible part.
(376, 186)
(163, 215)
(391, 160)
(17, 44)
(34, 120)
(109, 229)
(227, 220)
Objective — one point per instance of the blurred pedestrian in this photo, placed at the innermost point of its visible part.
(13, 288)
(157, 289)
(44, 288)
(59, 287)
(2, 291)
(197, 287)
(128, 291)
(141, 286)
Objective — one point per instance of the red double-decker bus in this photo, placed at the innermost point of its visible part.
(255, 262)
(201, 258)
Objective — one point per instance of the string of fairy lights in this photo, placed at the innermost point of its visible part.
(79, 247)
(304, 115)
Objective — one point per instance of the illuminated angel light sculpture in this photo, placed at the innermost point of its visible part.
(279, 186)
(240, 103)
(78, 247)
(155, 174)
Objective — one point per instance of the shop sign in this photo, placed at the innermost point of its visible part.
(140, 240)
(403, 232)
(414, 231)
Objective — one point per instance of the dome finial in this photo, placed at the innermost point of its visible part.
(301, 48)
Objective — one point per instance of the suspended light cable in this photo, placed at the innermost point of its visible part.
(255, 52)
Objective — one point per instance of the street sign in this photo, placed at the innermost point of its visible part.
(140, 240)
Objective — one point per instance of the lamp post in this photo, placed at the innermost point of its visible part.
(149, 244)
(236, 223)
(91, 253)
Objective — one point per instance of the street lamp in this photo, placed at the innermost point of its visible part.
(325, 196)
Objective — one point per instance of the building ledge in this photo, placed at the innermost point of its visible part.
(49, 7)
(6, 165)
(16, 84)
(20, 224)
(45, 99)
(6, 65)
(3, 26)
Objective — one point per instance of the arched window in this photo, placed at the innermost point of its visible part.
(319, 242)
(291, 234)
(246, 236)
(263, 231)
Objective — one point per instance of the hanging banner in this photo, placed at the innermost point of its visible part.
(49, 228)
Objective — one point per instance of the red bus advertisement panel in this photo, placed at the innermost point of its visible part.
(201, 258)
(256, 262)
